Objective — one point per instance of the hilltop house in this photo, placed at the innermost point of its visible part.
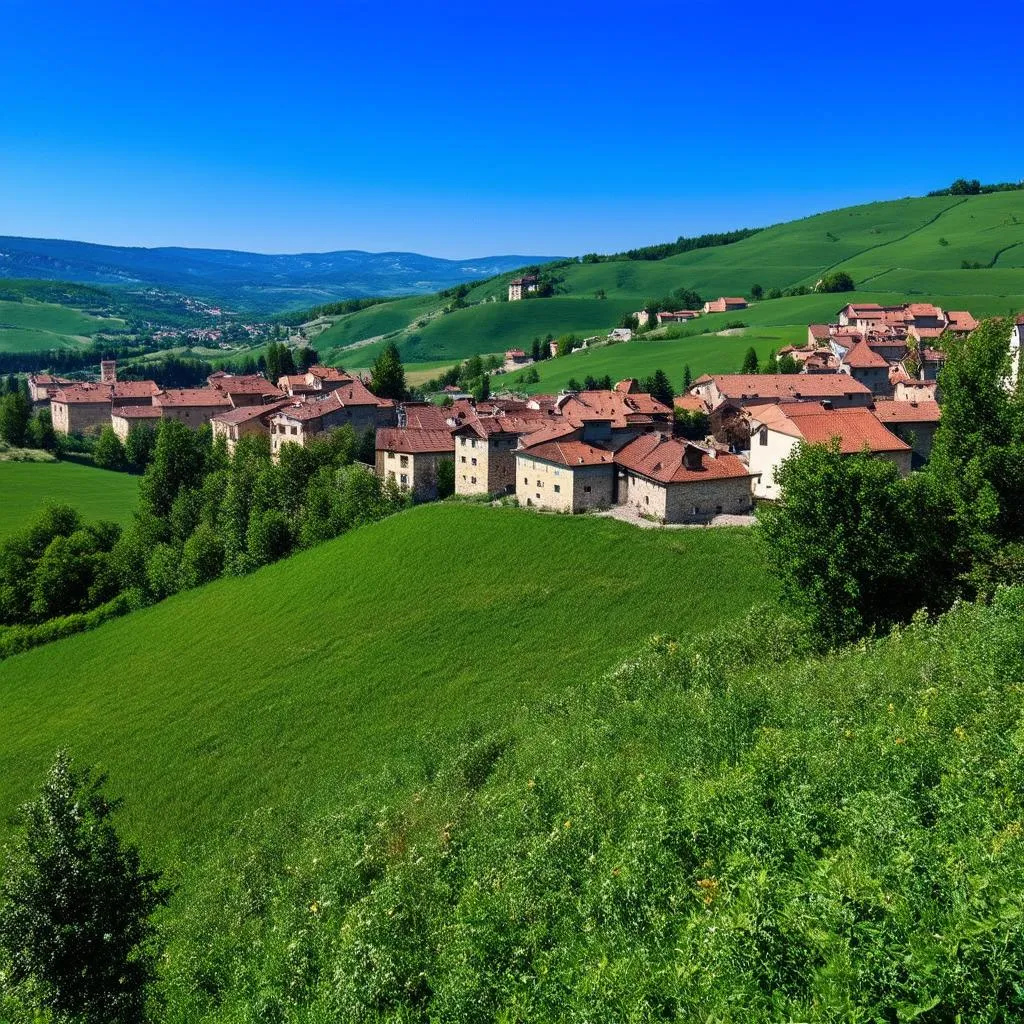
(776, 428)
(42, 387)
(866, 365)
(244, 420)
(124, 417)
(316, 381)
(191, 406)
(520, 286)
(566, 475)
(351, 404)
(677, 481)
(516, 359)
(724, 305)
(85, 408)
(740, 389)
(411, 457)
(914, 422)
(245, 389)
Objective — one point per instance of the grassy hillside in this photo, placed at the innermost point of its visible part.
(30, 326)
(96, 493)
(284, 688)
(900, 250)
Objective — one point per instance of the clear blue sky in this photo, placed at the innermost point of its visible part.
(474, 129)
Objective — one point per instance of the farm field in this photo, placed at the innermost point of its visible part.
(97, 493)
(705, 353)
(904, 250)
(284, 688)
(31, 326)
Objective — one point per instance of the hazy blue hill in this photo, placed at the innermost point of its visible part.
(254, 280)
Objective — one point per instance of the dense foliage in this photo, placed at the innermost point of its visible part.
(720, 830)
(76, 937)
(680, 245)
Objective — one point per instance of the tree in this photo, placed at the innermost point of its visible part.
(837, 281)
(756, 292)
(109, 452)
(138, 447)
(76, 906)
(307, 357)
(660, 388)
(445, 478)
(179, 460)
(41, 433)
(965, 187)
(771, 364)
(268, 538)
(482, 388)
(687, 379)
(843, 541)
(572, 384)
(749, 361)
(688, 298)
(387, 379)
(692, 424)
(787, 364)
(15, 413)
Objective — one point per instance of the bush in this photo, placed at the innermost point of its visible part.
(836, 281)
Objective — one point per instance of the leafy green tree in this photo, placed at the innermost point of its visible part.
(63, 576)
(109, 451)
(771, 364)
(978, 454)
(472, 368)
(387, 379)
(15, 413)
(76, 906)
(965, 187)
(268, 538)
(572, 384)
(836, 281)
(41, 433)
(482, 388)
(162, 570)
(202, 557)
(843, 542)
(687, 298)
(307, 357)
(749, 361)
(179, 460)
(692, 424)
(445, 478)
(687, 379)
(787, 364)
(138, 447)
(756, 292)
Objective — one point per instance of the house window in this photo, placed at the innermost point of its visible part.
(295, 430)
(540, 483)
(472, 479)
(526, 479)
(462, 441)
(762, 437)
(391, 455)
(463, 459)
(586, 490)
(473, 461)
(472, 442)
(405, 479)
(558, 489)
(404, 461)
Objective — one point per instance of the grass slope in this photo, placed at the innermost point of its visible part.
(287, 687)
(97, 493)
(31, 326)
(907, 248)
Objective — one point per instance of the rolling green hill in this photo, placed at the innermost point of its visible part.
(908, 249)
(284, 688)
(31, 326)
(97, 493)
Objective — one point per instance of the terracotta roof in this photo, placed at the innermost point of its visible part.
(891, 411)
(425, 416)
(553, 430)
(84, 394)
(567, 453)
(960, 320)
(136, 389)
(813, 423)
(746, 386)
(136, 412)
(621, 409)
(661, 458)
(626, 386)
(414, 442)
(243, 384)
(863, 357)
(819, 331)
(514, 353)
(202, 398)
(691, 403)
(329, 373)
(916, 309)
(244, 413)
(46, 378)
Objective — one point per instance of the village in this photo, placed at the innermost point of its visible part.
(868, 381)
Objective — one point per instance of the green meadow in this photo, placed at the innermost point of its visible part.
(285, 688)
(97, 493)
(31, 326)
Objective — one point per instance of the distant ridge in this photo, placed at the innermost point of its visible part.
(247, 279)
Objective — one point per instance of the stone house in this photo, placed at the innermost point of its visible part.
(677, 481)
(741, 389)
(915, 422)
(316, 381)
(86, 408)
(245, 389)
(678, 316)
(124, 417)
(516, 359)
(411, 458)
(352, 404)
(521, 286)
(244, 420)
(191, 406)
(724, 305)
(565, 476)
(485, 451)
(863, 364)
(776, 428)
(42, 387)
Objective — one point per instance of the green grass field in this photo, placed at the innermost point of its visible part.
(285, 688)
(907, 249)
(97, 493)
(31, 326)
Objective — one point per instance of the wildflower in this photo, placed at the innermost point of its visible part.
(314, 907)
(708, 890)
(959, 733)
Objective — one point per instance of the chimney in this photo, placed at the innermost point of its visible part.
(108, 371)
(693, 457)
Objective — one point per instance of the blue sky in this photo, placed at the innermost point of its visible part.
(462, 129)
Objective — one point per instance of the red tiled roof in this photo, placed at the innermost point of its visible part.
(567, 453)
(787, 385)
(414, 442)
(84, 394)
(136, 389)
(661, 458)
(244, 413)
(691, 403)
(136, 412)
(960, 320)
(203, 398)
(425, 416)
(916, 309)
(329, 373)
(514, 353)
(891, 411)
(818, 331)
(863, 357)
(811, 422)
(243, 384)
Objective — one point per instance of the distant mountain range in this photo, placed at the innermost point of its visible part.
(248, 280)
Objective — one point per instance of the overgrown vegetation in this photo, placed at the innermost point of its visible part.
(680, 245)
